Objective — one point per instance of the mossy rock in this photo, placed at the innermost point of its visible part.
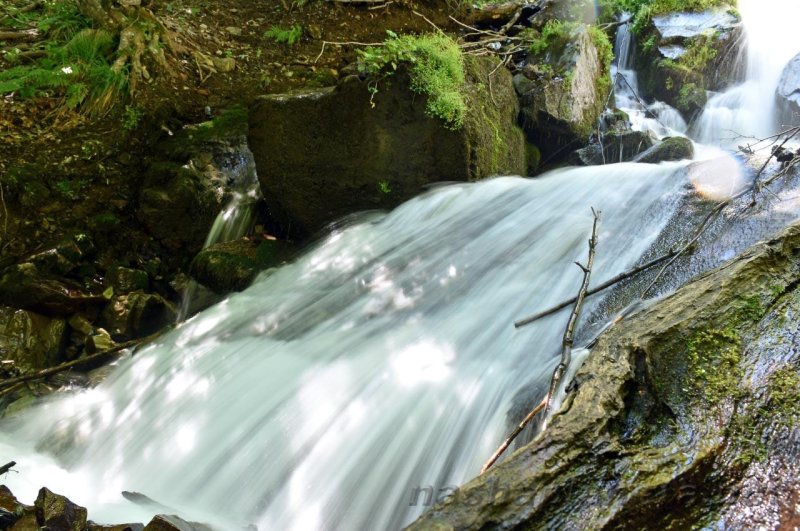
(322, 154)
(672, 148)
(682, 55)
(683, 416)
(563, 90)
(232, 266)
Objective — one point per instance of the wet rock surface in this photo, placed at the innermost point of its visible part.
(683, 415)
(788, 93)
(682, 55)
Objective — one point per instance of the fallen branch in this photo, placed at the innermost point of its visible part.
(605, 285)
(11, 382)
(521, 426)
(567, 341)
(756, 187)
(566, 350)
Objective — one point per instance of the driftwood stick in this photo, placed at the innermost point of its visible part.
(521, 426)
(569, 332)
(8, 466)
(605, 285)
(10, 382)
(566, 351)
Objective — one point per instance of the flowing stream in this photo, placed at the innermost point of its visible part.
(353, 387)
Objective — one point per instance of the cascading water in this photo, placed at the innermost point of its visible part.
(747, 112)
(658, 118)
(350, 389)
(382, 361)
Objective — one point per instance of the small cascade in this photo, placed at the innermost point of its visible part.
(233, 222)
(747, 112)
(658, 118)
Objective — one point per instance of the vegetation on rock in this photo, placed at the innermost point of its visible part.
(435, 65)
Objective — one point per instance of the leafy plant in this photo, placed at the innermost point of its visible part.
(384, 187)
(131, 117)
(435, 66)
(286, 36)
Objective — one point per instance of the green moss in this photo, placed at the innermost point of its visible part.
(714, 356)
(436, 68)
(644, 10)
(605, 54)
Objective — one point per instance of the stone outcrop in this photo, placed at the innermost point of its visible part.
(683, 416)
(562, 93)
(682, 55)
(325, 153)
(618, 143)
(788, 92)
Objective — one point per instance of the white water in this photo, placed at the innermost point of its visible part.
(381, 361)
(747, 111)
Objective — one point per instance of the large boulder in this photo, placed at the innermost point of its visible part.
(684, 415)
(563, 89)
(681, 55)
(326, 153)
(788, 93)
(30, 340)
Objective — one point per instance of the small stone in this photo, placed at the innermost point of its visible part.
(224, 64)
(233, 30)
(57, 513)
(99, 342)
(314, 31)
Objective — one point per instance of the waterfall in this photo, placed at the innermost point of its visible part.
(658, 118)
(380, 364)
(354, 387)
(747, 111)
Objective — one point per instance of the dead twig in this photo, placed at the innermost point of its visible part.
(521, 426)
(348, 43)
(8, 466)
(605, 285)
(566, 349)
